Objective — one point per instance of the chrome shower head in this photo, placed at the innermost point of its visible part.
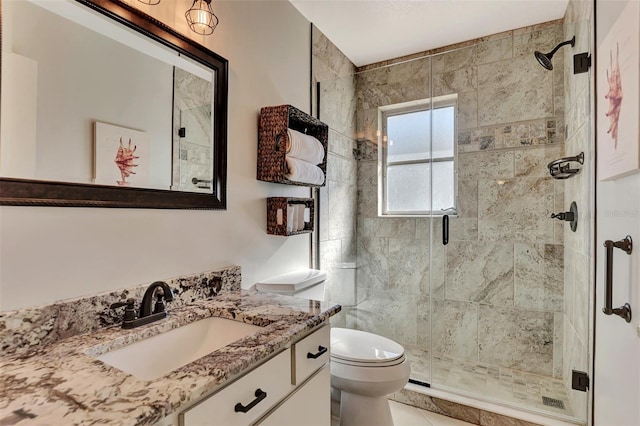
(545, 58)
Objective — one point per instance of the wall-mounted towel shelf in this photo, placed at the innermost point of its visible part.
(290, 216)
(272, 141)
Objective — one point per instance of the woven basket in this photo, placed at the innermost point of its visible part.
(272, 140)
(280, 203)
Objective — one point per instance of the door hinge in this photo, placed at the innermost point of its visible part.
(579, 380)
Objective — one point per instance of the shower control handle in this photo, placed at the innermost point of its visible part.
(568, 216)
(623, 311)
(445, 230)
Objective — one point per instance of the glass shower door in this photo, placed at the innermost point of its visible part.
(509, 318)
(499, 313)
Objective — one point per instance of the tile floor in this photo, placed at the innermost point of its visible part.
(503, 384)
(406, 415)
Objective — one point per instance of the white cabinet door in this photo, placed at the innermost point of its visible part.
(310, 405)
(311, 353)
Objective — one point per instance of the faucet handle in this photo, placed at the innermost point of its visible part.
(130, 310)
(127, 303)
(160, 306)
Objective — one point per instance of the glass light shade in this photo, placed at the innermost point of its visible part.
(201, 18)
(150, 2)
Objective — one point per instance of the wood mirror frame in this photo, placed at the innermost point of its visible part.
(28, 192)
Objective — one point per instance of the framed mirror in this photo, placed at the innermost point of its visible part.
(104, 106)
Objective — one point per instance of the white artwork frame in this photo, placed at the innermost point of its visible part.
(618, 92)
(121, 156)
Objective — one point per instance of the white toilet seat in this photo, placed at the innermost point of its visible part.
(357, 347)
(376, 374)
(361, 357)
(369, 364)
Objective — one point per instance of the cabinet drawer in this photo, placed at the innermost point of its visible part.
(272, 378)
(311, 353)
(310, 405)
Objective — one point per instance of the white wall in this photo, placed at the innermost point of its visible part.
(108, 82)
(49, 254)
(616, 371)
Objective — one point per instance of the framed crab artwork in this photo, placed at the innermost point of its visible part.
(618, 93)
(122, 156)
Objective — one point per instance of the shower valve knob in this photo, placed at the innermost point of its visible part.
(571, 216)
(567, 216)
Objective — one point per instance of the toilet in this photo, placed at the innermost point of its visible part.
(365, 367)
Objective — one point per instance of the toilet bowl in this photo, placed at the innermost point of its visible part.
(365, 367)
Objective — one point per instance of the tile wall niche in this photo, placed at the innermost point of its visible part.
(578, 273)
(338, 198)
(497, 288)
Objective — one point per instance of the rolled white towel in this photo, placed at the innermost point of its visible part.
(304, 147)
(303, 172)
(301, 209)
(290, 214)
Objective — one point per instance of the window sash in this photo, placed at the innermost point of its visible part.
(426, 106)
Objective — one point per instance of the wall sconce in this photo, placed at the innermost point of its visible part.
(150, 2)
(201, 18)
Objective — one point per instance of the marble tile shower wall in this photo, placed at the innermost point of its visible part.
(336, 75)
(497, 287)
(193, 156)
(578, 275)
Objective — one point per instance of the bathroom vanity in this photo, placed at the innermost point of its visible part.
(277, 375)
(290, 388)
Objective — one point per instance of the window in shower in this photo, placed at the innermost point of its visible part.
(418, 152)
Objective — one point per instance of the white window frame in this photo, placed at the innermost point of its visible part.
(408, 107)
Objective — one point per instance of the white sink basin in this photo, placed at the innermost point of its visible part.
(156, 356)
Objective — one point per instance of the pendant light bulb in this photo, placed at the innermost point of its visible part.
(201, 18)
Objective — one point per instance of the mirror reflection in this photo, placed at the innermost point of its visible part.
(192, 136)
(87, 101)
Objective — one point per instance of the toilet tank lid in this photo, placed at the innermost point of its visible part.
(292, 281)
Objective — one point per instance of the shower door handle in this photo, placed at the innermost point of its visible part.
(625, 245)
(445, 230)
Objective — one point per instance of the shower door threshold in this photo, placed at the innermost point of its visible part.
(467, 406)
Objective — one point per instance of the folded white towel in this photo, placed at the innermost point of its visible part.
(300, 208)
(303, 172)
(291, 213)
(304, 147)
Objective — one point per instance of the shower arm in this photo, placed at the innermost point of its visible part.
(564, 43)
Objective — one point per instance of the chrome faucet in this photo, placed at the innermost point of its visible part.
(146, 316)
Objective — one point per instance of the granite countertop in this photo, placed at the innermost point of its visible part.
(62, 382)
